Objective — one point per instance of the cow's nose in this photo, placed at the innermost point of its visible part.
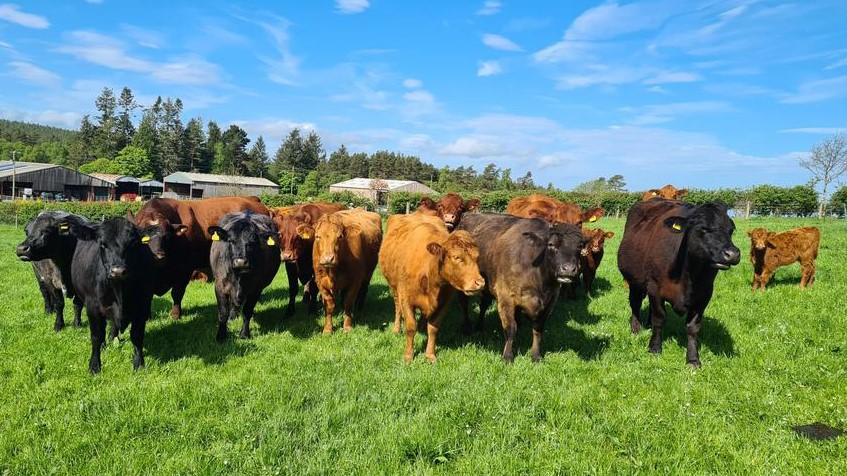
(327, 260)
(288, 256)
(22, 250)
(239, 263)
(479, 283)
(732, 255)
(568, 269)
(117, 272)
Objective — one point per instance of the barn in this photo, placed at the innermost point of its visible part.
(31, 179)
(124, 186)
(197, 185)
(380, 190)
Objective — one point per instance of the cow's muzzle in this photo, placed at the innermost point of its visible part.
(475, 287)
(328, 261)
(117, 273)
(567, 273)
(23, 252)
(289, 256)
(729, 257)
(240, 264)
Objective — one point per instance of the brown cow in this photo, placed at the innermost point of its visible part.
(177, 233)
(424, 265)
(450, 208)
(552, 210)
(668, 192)
(770, 250)
(592, 254)
(345, 254)
(296, 248)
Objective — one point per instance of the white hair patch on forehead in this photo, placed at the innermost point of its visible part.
(154, 222)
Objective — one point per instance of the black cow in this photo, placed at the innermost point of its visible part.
(245, 258)
(112, 271)
(524, 262)
(672, 251)
(50, 249)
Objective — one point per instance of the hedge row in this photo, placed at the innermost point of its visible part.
(26, 210)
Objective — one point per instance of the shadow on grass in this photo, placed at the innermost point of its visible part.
(713, 334)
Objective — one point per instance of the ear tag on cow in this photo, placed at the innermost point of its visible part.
(64, 227)
(271, 241)
(216, 237)
(145, 239)
(592, 219)
(676, 226)
(306, 235)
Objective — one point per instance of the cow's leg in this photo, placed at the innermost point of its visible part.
(77, 311)
(136, 335)
(363, 292)
(756, 281)
(411, 329)
(97, 327)
(293, 287)
(224, 305)
(398, 311)
(657, 320)
(636, 296)
(329, 309)
(812, 271)
(510, 327)
(114, 332)
(464, 303)
(247, 314)
(538, 330)
(693, 324)
(764, 278)
(588, 280)
(485, 300)
(46, 294)
(57, 299)
(177, 293)
(433, 324)
(351, 303)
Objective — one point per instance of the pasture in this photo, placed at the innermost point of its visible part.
(293, 401)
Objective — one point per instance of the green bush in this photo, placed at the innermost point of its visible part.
(347, 198)
(397, 201)
(26, 210)
(278, 200)
(838, 201)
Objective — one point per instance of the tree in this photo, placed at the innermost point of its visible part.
(313, 153)
(193, 145)
(170, 131)
(616, 183)
(525, 182)
(827, 162)
(235, 142)
(288, 155)
(106, 136)
(133, 161)
(147, 137)
(101, 165)
(125, 129)
(86, 139)
(257, 159)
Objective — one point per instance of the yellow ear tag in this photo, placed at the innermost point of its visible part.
(145, 239)
(677, 227)
(306, 236)
(64, 227)
(216, 237)
(655, 193)
(271, 241)
(592, 219)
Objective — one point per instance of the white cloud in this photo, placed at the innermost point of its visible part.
(144, 37)
(419, 96)
(815, 130)
(660, 113)
(108, 52)
(272, 129)
(34, 74)
(284, 69)
(349, 7)
(490, 7)
(489, 68)
(667, 77)
(12, 13)
(94, 2)
(68, 120)
(838, 64)
(412, 83)
(499, 42)
(474, 147)
(817, 90)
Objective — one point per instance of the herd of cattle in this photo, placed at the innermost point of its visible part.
(671, 252)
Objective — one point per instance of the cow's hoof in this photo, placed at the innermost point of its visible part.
(77, 323)
(244, 335)
(348, 329)
(694, 364)
(536, 358)
(327, 330)
(635, 327)
(58, 326)
(408, 358)
(655, 349)
(396, 329)
(431, 358)
(509, 358)
(175, 315)
(94, 368)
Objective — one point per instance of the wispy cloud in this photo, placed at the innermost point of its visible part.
(12, 13)
(144, 37)
(285, 68)
(94, 2)
(661, 113)
(111, 53)
(605, 75)
(817, 90)
(814, 130)
(489, 68)
(69, 120)
(838, 64)
(412, 83)
(490, 7)
(499, 42)
(31, 73)
(668, 77)
(349, 7)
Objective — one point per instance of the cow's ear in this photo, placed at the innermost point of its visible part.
(435, 249)
(472, 205)
(610, 234)
(676, 224)
(180, 230)
(654, 192)
(305, 232)
(217, 233)
(593, 214)
(80, 230)
(426, 203)
(681, 193)
(352, 229)
(534, 239)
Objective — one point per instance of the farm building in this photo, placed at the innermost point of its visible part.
(379, 190)
(124, 186)
(196, 185)
(151, 188)
(32, 179)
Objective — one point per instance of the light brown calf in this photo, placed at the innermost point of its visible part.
(552, 210)
(668, 192)
(770, 250)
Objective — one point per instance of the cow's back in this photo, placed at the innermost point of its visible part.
(404, 251)
(366, 243)
(533, 206)
(648, 249)
(199, 215)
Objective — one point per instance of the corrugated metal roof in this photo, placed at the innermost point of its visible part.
(152, 183)
(115, 178)
(365, 183)
(193, 178)
(22, 167)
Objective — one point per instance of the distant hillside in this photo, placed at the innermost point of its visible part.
(31, 134)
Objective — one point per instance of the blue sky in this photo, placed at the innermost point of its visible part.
(697, 93)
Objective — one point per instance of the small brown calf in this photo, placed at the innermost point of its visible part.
(770, 250)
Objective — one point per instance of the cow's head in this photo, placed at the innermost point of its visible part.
(244, 238)
(122, 252)
(48, 236)
(329, 233)
(158, 233)
(573, 214)
(760, 238)
(292, 242)
(458, 262)
(668, 192)
(596, 238)
(558, 251)
(708, 234)
(451, 207)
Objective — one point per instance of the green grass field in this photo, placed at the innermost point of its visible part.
(293, 401)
